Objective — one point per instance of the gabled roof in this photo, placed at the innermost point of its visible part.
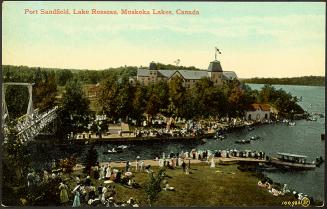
(176, 72)
(229, 75)
(142, 72)
(193, 74)
(256, 106)
(166, 73)
(187, 74)
(265, 107)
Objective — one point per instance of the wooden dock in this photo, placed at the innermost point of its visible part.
(230, 160)
(153, 162)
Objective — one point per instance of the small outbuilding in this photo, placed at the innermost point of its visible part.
(258, 112)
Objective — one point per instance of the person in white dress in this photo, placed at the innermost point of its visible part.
(103, 197)
(108, 172)
(180, 161)
(141, 166)
(213, 164)
(160, 162)
(138, 162)
(101, 172)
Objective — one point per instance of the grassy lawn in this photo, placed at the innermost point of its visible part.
(223, 186)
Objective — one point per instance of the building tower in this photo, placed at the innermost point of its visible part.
(215, 70)
(153, 68)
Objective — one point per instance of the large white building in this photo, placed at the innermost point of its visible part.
(215, 72)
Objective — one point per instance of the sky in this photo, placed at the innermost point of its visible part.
(256, 39)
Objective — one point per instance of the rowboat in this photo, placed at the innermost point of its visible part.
(243, 141)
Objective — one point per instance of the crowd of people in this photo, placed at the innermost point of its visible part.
(87, 190)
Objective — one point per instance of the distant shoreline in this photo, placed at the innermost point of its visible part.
(300, 81)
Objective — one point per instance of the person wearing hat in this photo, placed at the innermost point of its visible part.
(88, 181)
(111, 202)
(101, 172)
(108, 172)
(63, 193)
(103, 196)
(137, 163)
(130, 201)
(77, 200)
(141, 166)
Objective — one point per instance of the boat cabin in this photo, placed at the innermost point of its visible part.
(287, 157)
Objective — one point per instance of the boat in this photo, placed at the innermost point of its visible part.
(311, 119)
(243, 141)
(291, 123)
(203, 141)
(285, 121)
(221, 137)
(110, 151)
(118, 149)
(122, 147)
(113, 150)
(255, 138)
(292, 161)
(319, 161)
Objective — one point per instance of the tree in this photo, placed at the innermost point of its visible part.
(45, 91)
(284, 102)
(91, 159)
(15, 155)
(177, 96)
(138, 103)
(16, 100)
(162, 90)
(115, 97)
(217, 102)
(153, 187)
(124, 104)
(63, 76)
(74, 111)
(108, 97)
(200, 93)
(15, 161)
(236, 102)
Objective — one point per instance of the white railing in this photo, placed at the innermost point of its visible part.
(30, 126)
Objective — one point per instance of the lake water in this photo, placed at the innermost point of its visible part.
(303, 138)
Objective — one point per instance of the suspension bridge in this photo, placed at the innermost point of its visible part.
(32, 123)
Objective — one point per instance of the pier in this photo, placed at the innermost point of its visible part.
(239, 159)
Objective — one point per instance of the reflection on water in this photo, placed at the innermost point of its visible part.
(303, 138)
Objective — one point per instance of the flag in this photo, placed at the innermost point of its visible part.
(218, 50)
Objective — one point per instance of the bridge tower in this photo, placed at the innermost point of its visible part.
(30, 109)
(32, 123)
